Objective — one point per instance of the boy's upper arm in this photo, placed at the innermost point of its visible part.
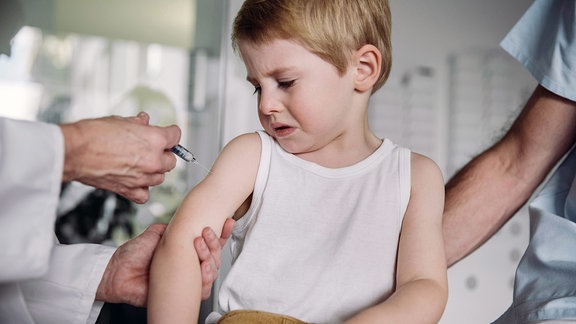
(421, 246)
(229, 183)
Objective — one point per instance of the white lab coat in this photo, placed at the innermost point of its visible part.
(40, 280)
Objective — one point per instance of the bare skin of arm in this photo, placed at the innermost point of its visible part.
(125, 279)
(421, 280)
(127, 155)
(490, 189)
(175, 275)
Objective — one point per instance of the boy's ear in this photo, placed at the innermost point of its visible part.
(368, 60)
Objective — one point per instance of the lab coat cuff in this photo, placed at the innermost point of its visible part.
(105, 254)
(66, 294)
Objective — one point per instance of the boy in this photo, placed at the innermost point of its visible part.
(317, 189)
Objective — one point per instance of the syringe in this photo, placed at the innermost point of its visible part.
(183, 153)
(187, 156)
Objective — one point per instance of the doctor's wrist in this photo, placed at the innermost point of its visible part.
(73, 141)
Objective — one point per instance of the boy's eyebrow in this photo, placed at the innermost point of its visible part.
(267, 74)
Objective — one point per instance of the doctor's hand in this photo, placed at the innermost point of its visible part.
(125, 279)
(209, 250)
(121, 154)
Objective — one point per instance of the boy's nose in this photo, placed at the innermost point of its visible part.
(268, 104)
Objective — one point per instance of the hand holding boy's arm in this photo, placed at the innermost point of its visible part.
(421, 279)
(125, 279)
(209, 250)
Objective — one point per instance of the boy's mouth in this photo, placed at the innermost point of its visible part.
(282, 130)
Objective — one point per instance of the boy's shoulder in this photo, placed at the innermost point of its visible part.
(421, 159)
(423, 167)
(244, 141)
(243, 148)
(238, 161)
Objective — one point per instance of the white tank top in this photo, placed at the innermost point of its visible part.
(318, 244)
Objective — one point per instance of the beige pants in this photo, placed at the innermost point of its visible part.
(256, 317)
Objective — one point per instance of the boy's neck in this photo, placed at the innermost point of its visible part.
(343, 153)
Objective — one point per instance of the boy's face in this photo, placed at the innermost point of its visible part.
(303, 102)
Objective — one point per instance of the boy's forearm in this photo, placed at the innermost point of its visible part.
(419, 301)
(175, 285)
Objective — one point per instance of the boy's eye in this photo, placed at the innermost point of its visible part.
(286, 84)
(257, 89)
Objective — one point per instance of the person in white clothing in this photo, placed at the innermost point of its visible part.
(334, 224)
(44, 282)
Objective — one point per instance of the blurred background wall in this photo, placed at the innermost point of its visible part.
(451, 92)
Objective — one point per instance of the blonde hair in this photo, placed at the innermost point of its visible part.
(331, 29)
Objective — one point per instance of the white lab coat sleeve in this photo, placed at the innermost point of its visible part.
(66, 293)
(40, 280)
(31, 164)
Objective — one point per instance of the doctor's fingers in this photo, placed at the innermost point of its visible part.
(208, 248)
(137, 195)
(144, 163)
(137, 188)
(209, 275)
(208, 266)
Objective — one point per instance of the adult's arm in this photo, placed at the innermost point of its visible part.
(124, 155)
(29, 192)
(31, 159)
(82, 277)
(66, 293)
(492, 187)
